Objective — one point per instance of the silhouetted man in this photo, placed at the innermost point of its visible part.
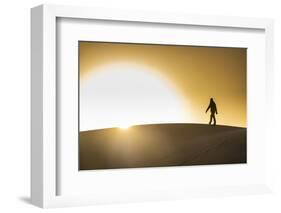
(213, 108)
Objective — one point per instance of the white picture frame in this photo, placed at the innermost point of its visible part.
(44, 83)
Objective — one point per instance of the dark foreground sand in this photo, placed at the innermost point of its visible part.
(161, 145)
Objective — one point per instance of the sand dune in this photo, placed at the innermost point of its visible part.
(161, 145)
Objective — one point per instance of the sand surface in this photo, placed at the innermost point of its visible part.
(161, 145)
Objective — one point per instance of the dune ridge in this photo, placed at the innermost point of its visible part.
(157, 145)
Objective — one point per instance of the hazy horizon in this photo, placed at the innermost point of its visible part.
(134, 84)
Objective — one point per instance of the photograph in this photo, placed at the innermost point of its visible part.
(159, 105)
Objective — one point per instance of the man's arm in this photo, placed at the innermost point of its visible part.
(208, 108)
(216, 109)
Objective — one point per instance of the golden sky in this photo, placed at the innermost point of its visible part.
(196, 73)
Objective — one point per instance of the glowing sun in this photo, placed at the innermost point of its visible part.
(124, 127)
(122, 95)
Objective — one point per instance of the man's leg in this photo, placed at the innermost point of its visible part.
(215, 122)
(210, 122)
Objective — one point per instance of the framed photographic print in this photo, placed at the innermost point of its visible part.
(131, 106)
(142, 105)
